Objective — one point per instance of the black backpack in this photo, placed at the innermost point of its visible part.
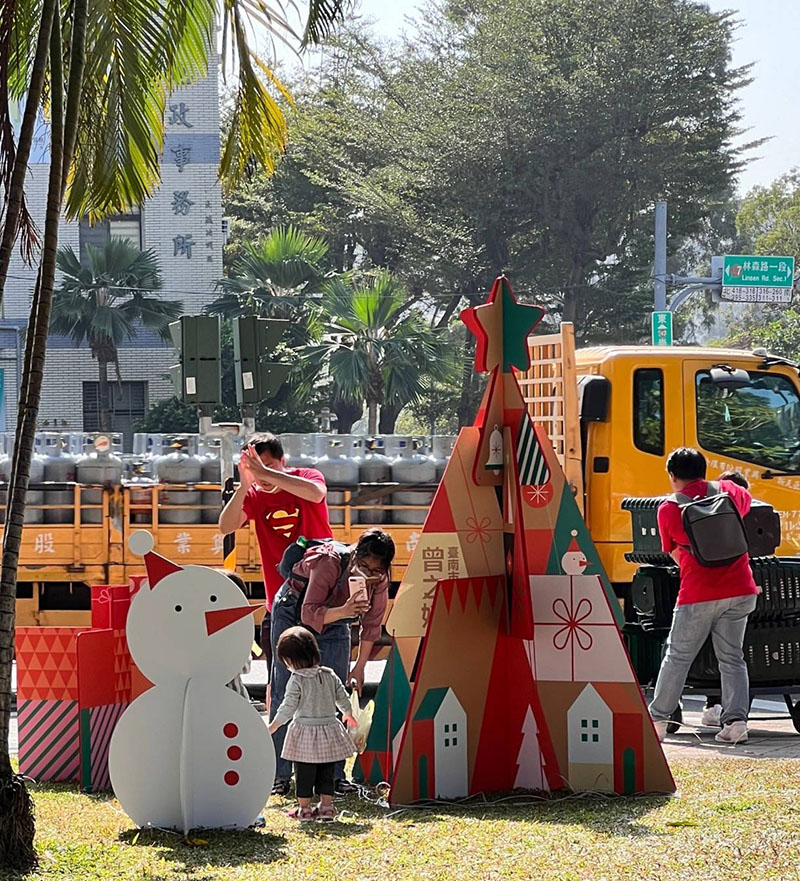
(714, 527)
(295, 553)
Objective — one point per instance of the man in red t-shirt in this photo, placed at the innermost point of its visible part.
(284, 503)
(713, 601)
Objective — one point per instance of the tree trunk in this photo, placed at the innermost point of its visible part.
(372, 418)
(16, 819)
(388, 418)
(347, 413)
(103, 402)
(16, 190)
(466, 411)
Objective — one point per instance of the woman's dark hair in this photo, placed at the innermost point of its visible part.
(735, 477)
(376, 543)
(266, 443)
(297, 649)
(686, 463)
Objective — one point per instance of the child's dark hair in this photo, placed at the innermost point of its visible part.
(686, 463)
(376, 543)
(236, 579)
(297, 649)
(266, 443)
(737, 478)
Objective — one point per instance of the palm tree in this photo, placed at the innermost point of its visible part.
(104, 89)
(277, 277)
(103, 303)
(376, 349)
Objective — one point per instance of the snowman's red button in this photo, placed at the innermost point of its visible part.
(231, 778)
(234, 753)
(230, 730)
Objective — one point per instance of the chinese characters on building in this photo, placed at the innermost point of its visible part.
(182, 203)
(178, 115)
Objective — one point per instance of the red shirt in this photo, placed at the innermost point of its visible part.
(700, 584)
(280, 519)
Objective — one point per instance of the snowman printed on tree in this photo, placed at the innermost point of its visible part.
(574, 560)
(189, 753)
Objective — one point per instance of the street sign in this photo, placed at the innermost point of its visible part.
(757, 279)
(662, 328)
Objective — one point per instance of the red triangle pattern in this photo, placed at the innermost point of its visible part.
(47, 663)
(440, 515)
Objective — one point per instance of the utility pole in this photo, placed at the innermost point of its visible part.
(660, 262)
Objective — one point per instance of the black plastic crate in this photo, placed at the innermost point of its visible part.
(762, 525)
(771, 650)
(654, 592)
(645, 651)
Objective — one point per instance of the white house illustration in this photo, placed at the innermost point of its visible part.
(440, 746)
(590, 742)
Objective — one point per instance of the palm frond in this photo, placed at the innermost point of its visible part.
(258, 130)
(323, 15)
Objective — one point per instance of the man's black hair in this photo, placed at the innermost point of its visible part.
(686, 463)
(266, 443)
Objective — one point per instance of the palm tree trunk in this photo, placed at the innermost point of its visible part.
(16, 190)
(16, 820)
(103, 402)
(372, 419)
(388, 418)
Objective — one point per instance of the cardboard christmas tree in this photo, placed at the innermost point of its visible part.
(518, 673)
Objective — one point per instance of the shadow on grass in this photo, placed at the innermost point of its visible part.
(604, 815)
(210, 847)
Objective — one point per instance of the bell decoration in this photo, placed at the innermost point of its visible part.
(495, 460)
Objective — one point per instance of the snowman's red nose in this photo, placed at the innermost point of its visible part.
(220, 618)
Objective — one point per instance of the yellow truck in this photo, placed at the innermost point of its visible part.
(614, 413)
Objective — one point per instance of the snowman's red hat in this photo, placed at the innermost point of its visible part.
(574, 547)
(158, 567)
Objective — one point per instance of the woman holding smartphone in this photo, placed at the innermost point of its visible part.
(326, 596)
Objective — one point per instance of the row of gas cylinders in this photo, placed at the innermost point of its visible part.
(345, 461)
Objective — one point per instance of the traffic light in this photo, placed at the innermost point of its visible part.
(198, 378)
(254, 339)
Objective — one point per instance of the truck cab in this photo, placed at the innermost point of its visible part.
(634, 404)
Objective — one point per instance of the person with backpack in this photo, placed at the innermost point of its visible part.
(317, 595)
(701, 528)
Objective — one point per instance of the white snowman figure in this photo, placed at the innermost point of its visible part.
(189, 753)
(574, 560)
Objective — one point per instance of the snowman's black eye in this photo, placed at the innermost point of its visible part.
(213, 599)
(178, 608)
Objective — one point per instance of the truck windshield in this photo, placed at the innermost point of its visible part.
(759, 423)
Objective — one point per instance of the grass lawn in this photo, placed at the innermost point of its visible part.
(733, 819)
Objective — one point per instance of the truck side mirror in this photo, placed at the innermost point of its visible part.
(594, 397)
(726, 377)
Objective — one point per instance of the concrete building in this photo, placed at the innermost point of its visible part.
(181, 224)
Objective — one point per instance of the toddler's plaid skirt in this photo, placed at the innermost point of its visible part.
(317, 744)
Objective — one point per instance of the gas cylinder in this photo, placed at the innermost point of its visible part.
(410, 465)
(180, 467)
(99, 468)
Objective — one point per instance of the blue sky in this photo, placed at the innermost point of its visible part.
(769, 36)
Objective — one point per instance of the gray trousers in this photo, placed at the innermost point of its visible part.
(725, 621)
(334, 648)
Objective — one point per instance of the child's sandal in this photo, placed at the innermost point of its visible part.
(325, 814)
(302, 815)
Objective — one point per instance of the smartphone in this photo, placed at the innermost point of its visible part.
(358, 586)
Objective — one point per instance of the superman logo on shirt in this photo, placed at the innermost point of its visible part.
(283, 522)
